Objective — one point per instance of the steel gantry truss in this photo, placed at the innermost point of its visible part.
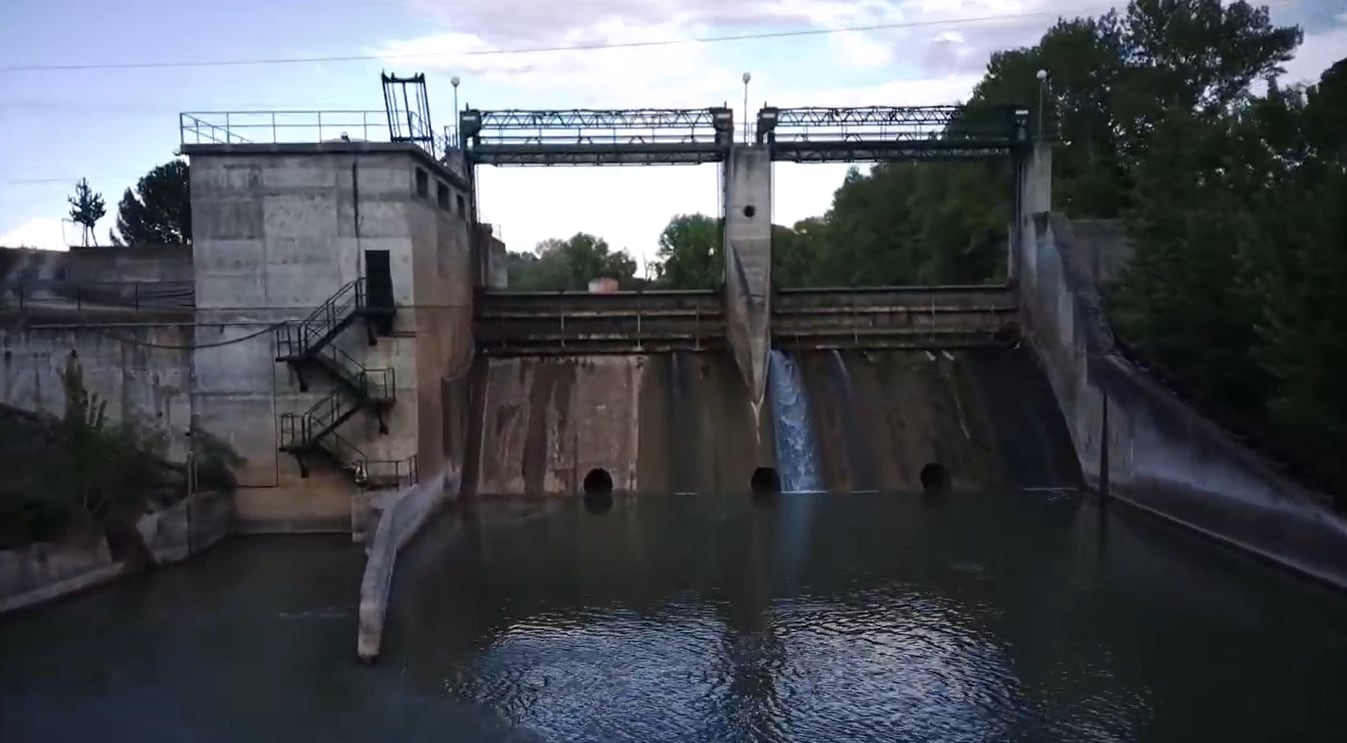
(892, 133)
(646, 136)
(408, 110)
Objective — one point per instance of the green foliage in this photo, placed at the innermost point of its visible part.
(689, 255)
(569, 265)
(111, 468)
(216, 461)
(83, 471)
(159, 211)
(86, 208)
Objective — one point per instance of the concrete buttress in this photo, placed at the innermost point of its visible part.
(748, 264)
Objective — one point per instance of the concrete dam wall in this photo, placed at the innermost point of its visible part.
(1137, 441)
(683, 422)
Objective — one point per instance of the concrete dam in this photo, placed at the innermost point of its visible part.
(341, 319)
(682, 422)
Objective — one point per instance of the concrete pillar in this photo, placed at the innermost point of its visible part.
(1038, 179)
(748, 263)
(1033, 195)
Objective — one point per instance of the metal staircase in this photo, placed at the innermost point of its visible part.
(309, 344)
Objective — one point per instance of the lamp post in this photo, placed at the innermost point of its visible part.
(747, 77)
(1042, 93)
(454, 81)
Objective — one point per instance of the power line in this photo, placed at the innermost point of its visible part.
(596, 46)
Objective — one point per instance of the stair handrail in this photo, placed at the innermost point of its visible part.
(341, 444)
(349, 298)
(323, 411)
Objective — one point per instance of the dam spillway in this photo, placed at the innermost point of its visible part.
(682, 422)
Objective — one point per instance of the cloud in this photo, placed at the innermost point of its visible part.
(40, 232)
(1318, 52)
(629, 206)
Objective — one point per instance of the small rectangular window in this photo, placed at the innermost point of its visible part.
(422, 183)
(442, 196)
(461, 207)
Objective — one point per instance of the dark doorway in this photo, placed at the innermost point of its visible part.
(379, 289)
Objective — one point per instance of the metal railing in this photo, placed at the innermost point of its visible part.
(368, 471)
(81, 296)
(294, 340)
(282, 127)
(371, 384)
(400, 471)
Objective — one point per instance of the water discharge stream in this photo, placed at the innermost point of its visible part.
(796, 449)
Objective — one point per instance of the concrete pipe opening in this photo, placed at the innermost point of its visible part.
(934, 479)
(598, 491)
(765, 481)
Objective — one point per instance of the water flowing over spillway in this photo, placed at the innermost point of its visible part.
(796, 450)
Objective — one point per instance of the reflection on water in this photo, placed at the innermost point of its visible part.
(998, 616)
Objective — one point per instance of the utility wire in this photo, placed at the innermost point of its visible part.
(595, 46)
(195, 346)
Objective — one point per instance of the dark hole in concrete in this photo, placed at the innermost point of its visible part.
(1008, 335)
(598, 491)
(750, 210)
(934, 479)
(765, 481)
(598, 481)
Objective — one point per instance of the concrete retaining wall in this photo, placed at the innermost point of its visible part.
(136, 369)
(186, 528)
(1145, 444)
(44, 572)
(400, 516)
(47, 571)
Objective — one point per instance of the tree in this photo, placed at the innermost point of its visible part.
(159, 212)
(569, 265)
(689, 254)
(86, 208)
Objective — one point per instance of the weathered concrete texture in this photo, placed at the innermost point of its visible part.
(95, 264)
(1027, 427)
(48, 571)
(186, 528)
(671, 422)
(1101, 247)
(400, 516)
(881, 416)
(1161, 455)
(548, 422)
(748, 263)
(712, 441)
(129, 367)
(277, 231)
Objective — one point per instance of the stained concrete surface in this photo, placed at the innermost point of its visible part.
(882, 416)
(1147, 445)
(682, 422)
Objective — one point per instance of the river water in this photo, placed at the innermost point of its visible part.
(980, 617)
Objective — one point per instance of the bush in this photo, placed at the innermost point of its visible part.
(84, 472)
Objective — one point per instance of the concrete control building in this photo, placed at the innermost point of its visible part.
(320, 322)
(377, 236)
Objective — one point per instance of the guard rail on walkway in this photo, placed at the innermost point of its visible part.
(91, 297)
(540, 323)
(281, 127)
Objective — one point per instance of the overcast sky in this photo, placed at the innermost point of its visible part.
(111, 125)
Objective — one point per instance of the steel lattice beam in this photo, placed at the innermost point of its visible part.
(892, 133)
(597, 136)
